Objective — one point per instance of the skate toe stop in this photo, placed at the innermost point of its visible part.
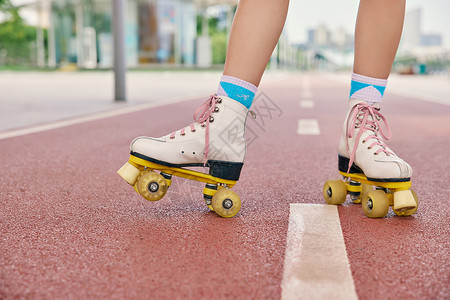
(404, 200)
(129, 172)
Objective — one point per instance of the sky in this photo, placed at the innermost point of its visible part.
(305, 14)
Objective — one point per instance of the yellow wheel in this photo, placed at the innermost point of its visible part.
(409, 212)
(152, 186)
(375, 204)
(136, 189)
(334, 192)
(365, 188)
(135, 186)
(226, 203)
(209, 206)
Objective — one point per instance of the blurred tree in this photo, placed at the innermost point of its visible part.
(219, 47)
(218, 37)
(6, 6)
(16, 37)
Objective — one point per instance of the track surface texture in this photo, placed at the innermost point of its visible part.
(71, 228)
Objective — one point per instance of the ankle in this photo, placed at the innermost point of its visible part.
(237, 89)
(368, 89)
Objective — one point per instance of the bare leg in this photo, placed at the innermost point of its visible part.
(377, 35)
(256, 28)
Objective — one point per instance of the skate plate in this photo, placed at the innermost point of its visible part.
(152, 186)
(375, 203)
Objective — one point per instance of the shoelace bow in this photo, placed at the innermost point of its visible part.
(202, 116)
(366, 117)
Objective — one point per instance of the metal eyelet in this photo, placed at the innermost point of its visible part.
(211, 119)
(216, 109)
(193, 130)
(203, 125)
(183, 133)
(172, 137)
(219, 100)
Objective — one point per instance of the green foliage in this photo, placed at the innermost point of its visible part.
(218, 39)
(219, 48)
(16, 36)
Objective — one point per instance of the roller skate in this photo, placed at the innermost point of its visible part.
(215, 140)
(365, 162)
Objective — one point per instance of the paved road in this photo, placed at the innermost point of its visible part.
(72, 228)
(30, 98)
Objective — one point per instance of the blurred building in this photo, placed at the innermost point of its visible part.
(322, 37)
(413, 35)
(327, 49)
(342, 39)
(157, 31)
(412, 28)
(319, 36)
(421, 52)
(430, 39)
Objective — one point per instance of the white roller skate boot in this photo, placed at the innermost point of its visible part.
(362, 150)
(215, 140)
(362, 147)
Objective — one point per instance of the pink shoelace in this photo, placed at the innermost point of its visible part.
(366, 117)
(202, 116)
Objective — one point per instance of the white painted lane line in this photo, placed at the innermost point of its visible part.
(308, 127)
(306, 83)
(97, 116)
(306, 88)
(306, 94)
(316, 265)
(307, 104)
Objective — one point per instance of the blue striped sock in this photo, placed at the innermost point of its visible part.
(237, 89)
(367, 88)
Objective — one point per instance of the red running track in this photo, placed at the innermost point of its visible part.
(72, 228)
